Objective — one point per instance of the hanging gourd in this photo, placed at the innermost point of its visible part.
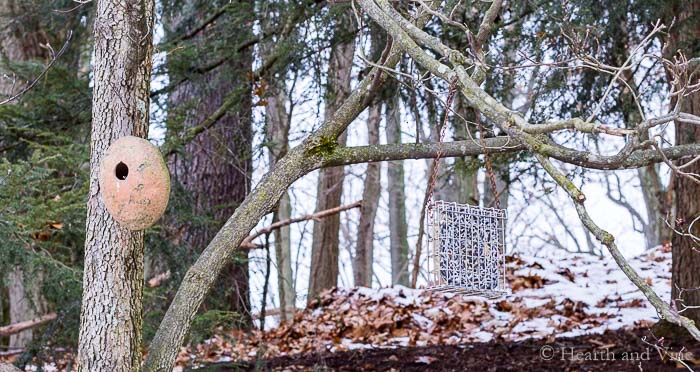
(466, 243)
(134, 182)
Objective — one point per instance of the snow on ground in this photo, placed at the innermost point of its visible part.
(550, 297)
(558, 297)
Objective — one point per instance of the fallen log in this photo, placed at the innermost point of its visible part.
(27, 324)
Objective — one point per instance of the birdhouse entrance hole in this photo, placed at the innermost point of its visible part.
(121, 171)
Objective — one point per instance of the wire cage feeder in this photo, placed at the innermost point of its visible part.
(466, 249)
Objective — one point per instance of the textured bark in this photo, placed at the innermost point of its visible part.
(111, 313)
(686, 251)
(26, 303)
(325, 246)
(214, 168)
(278, 135)
(398, 229)
(364, 250)
(8, 368)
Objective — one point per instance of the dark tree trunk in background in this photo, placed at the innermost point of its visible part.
(111, 319)
(364, 251)
(685, 269)
(214, 168)
(325, 247)
(686, 251)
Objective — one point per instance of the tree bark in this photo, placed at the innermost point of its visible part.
(26, 301)
(364, 251)
(214, 168)
(685, 270)
(326, 239)
(8, 368)
(111, 313)
(398, 229)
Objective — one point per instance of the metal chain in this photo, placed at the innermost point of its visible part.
(443, 131)
(487, 161)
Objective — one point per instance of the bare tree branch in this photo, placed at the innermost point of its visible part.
(662, 308)
(248, 242)
(34, 82)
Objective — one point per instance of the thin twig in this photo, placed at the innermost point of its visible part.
(31, 85)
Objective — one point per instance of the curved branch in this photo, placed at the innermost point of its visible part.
(662, 308)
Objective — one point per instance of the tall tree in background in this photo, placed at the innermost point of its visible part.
(685, 272)
(213, 169)
(371, 191)
(325, 246)
(121, 76)
(398, 229)
(277, 122)
(364, 250)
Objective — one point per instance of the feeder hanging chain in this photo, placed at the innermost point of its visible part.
(487, 161)
(443, 131)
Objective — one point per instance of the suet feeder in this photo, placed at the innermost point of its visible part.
(135, 182)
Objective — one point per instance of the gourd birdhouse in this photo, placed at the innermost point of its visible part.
(135, 182)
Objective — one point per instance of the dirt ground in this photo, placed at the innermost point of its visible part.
(612, 351)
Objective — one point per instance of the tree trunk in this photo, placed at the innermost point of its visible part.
(214, 168)
(325, 246)
(657, 206)
(364, 251)
(111, 313)
(26, 303)
(398, 230)
(685, 267)
(685, 270)
(277, 134)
